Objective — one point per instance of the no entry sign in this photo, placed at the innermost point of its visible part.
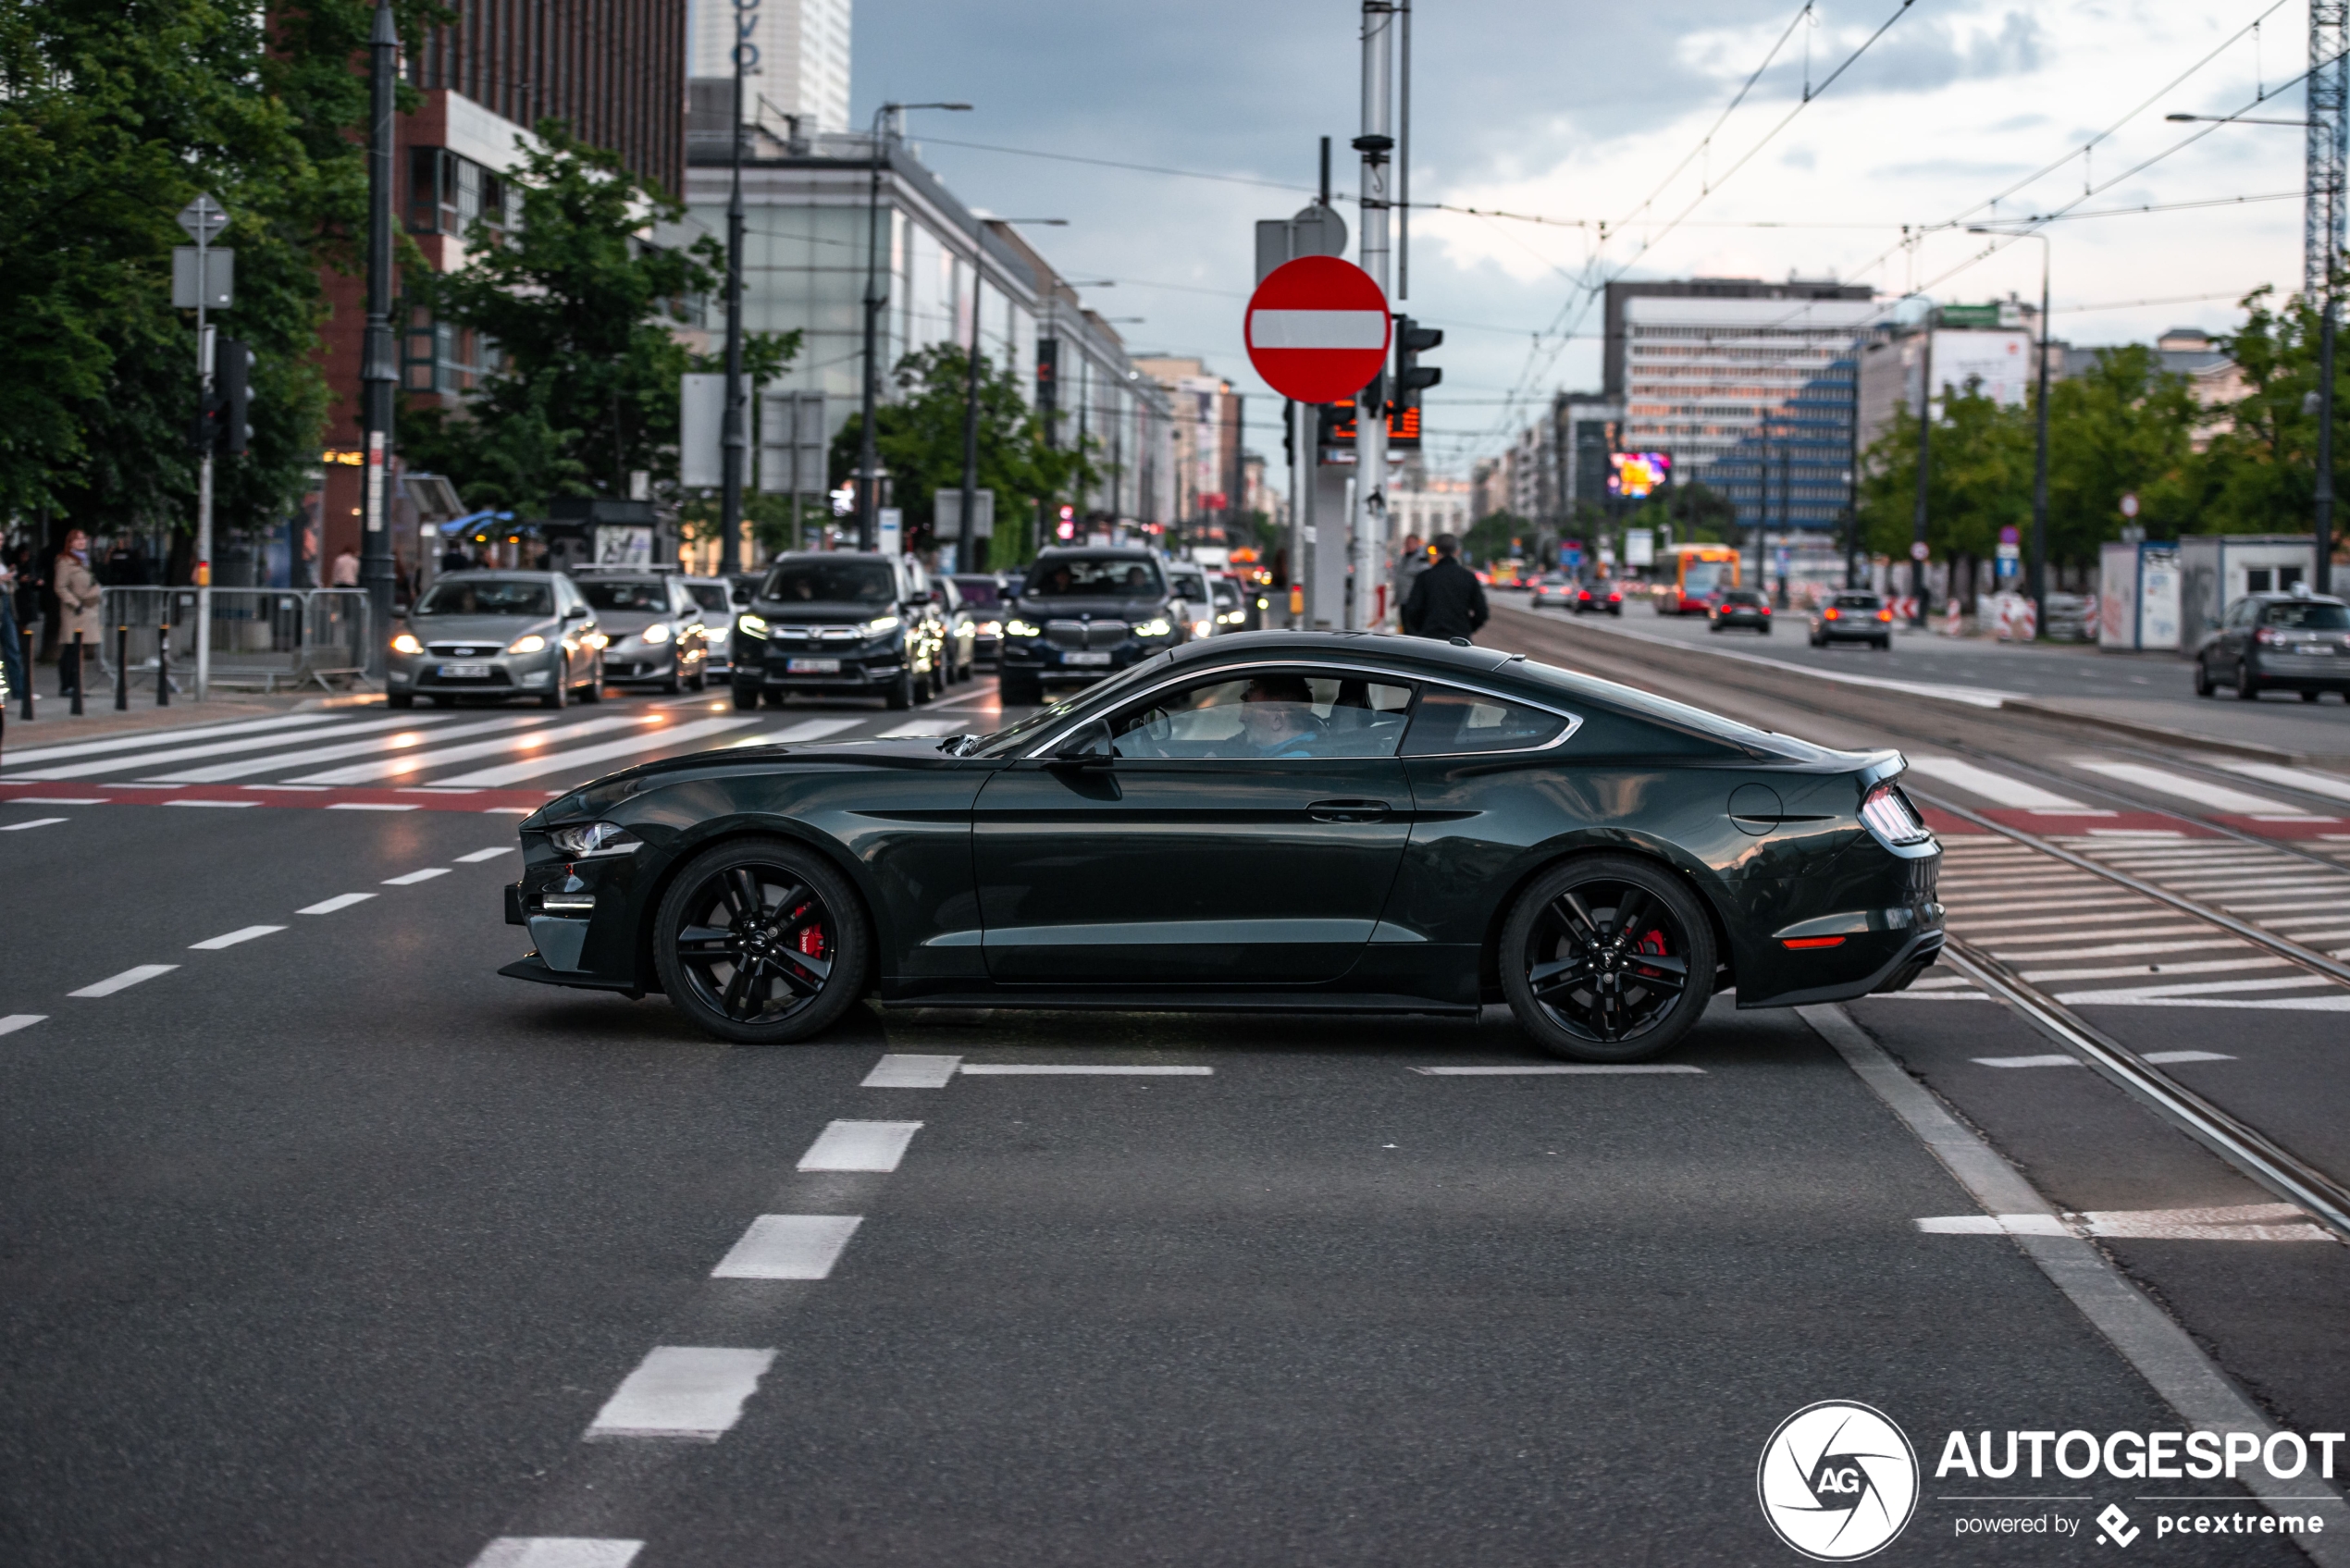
(1317, 329)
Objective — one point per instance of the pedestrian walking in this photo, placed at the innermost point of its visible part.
(1409, 563)
(346, 569)
(79, 601)
(1448, 601)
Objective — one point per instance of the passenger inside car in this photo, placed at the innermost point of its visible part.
(1270, 716)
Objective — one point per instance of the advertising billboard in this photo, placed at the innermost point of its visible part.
(2000, 362)
(1635, 474)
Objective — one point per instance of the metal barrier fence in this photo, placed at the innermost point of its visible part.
(264, 638)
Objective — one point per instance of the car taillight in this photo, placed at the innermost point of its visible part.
(1890, 817)
(1884, 615)
(1830, 613)
(1766, 609)
(2266, 634)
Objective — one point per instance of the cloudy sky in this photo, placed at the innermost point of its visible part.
(1581, 113)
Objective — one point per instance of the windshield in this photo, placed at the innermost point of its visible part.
(830, 582)
(486, 596)
(1078, 577)
(979, 590)
(1009, 741)
(1741, 595)
(1701, 577)
(1856, 601)
(710, 595)
(2311, 617)
(626, 597)
(1191, 585)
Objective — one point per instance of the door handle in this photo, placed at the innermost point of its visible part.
(1348, 810)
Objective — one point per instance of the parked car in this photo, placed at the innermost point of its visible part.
(1282, 820)
(984, 597)
(1739, 607)
(652, 626)
(840, 623)
(716, 597)
(1083, 612)
(2278, 642)
(1554, 591)
(494, 635)
(1593, 599)
(1852, 616)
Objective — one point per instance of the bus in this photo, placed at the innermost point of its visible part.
(1689, 576)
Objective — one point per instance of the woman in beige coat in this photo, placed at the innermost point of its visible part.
(80, 606)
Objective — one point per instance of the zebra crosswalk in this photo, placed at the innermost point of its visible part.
(456, 760)
(2112, 946)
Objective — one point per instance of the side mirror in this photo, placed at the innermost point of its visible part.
(1086, 747)
(576, 612)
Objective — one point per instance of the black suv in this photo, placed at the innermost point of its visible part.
(2297, 642)
(1081, 613)
(843, 623)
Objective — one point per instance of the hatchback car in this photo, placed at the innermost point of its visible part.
(1272, 821)
(494, 635)
(1593, 599)
(1554, 591)
(841, 623)
(1083, 613)
(2297, 642)
(1739, 607)
(1852, 616)
(653, 627)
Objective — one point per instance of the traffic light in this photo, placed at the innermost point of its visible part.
(224, 421)
(1411, 377)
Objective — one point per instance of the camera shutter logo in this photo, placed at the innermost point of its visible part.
(1838, 1481)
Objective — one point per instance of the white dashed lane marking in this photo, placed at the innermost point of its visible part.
(124, 981)
(2246, 1222)
(1562, 1070)
(373, 806)
(2159, 1058)
(691, 1393)
(230, 939)
(788, 1246)
(1075, 1070)
(557, 1552)
(219, 805)
(412, 877)
(478, 855)
(899, 1070)
(859, 1145)
(340, 901)
(15, 1021)
(36, 822)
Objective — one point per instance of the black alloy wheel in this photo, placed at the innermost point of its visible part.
(1607, 958)
(761, 942)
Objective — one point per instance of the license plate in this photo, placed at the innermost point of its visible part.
(813, 666)
(2317, 650)
(1084, 657)
(464, 672)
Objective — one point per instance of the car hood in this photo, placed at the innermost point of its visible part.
(626, 622)
(819, 612)
(483, 629)
(600, 796)
(1074, 608)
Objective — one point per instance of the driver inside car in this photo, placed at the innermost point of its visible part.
(1278, 718)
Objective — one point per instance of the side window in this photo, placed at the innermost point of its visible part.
(1275, 715)
(1451, 722)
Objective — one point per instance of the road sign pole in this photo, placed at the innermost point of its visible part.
(1366, 538)
(1303, 458)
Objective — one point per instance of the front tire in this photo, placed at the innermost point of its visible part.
(1607, 958)
(761, 942)
(745, 696)
(400, 699)
(559, 695)
(901, 691)
(2204, 685)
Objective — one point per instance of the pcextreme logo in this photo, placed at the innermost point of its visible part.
(1838, 1481)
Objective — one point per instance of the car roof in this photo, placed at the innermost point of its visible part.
(1097, 552)
(1436, 657)
(881, 556)
(2267, 597)
(492, 573)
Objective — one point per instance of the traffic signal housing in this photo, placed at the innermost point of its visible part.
(224, 421)
(1411, 378)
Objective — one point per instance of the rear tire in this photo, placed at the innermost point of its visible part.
(732, 942)
(400, 699)
(1607, 958)
(2247, 688)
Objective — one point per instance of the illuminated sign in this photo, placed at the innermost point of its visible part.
(1635, 474)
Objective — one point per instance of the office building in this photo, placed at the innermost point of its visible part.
(798, 65)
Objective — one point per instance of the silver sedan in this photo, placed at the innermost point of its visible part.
(498, 635)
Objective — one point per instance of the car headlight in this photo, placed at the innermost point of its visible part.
(534, 643)
(406, 643)
(1202, 629)
(1156, 627)
(585, 841)
(656, 632)
(877, 625)
(991, 628)
(597, 639)
(1016, 628)
(751, 625)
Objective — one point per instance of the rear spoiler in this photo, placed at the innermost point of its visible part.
(1880, 766)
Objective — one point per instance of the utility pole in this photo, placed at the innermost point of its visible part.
(1368, 541)
(2039, 585)
(1925, 438)
(965, 539)
(380, 372)
(2322, 238)
(886, 119)
(732, 441)
(202, 218)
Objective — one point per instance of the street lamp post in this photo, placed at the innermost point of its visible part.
(2037, 586)
(732, 443)
(964, 537)
(1925, 466)
(868, 454)
(379, 369)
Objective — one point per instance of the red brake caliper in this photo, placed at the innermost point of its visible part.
(1653, 941)
(811, 939)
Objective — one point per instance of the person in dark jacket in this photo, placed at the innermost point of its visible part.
(1448, 601)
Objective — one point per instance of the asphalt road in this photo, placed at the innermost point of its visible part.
(329, 1245)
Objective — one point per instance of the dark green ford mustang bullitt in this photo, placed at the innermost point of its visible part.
(1272, 822)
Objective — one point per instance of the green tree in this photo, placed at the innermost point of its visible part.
(582, 308)
(112, 117)
(2260, 472)
(2126, 427)
(1980, 480)
(919, 436)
